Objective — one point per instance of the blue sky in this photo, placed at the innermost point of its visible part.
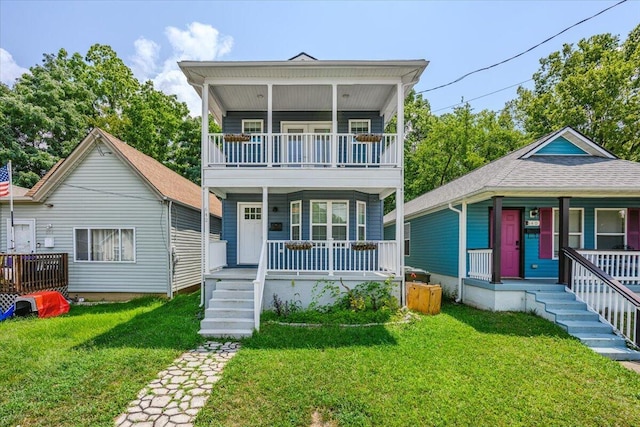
(455, 36)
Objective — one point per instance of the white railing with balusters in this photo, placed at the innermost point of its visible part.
(258, 287)
(605, 295)
(624, 266)
(305, 149)
(330, 256)
(480, 264)
(217, 254)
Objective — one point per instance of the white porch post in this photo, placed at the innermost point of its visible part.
(270, 125)
(204, 161)
(462, 244)
(265, 213)
(400, 191)
(334, 124)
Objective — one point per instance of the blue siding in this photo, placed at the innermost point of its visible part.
(232, 122)
(282, 203)
(434, 243)
(561, 146)
(478, 227)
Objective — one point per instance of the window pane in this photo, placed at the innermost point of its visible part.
(319, 212)
(295, 213)
(252, 126)
(82, 245)
(610, 242)
(319, 232)
(362, 213)
(361, 233)
(105, 245)
(359, 126)
(339, 214)
(339, 232)
(574, 241)
(407, 247)
(575, 221)
(127, 245)
(610, 222)
(295, 232)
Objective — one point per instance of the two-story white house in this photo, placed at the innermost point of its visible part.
(302, 167)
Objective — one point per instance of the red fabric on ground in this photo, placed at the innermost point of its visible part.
(49, 303)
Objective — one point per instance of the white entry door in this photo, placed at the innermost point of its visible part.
(307, 142)
(249, 232)
(25, 236)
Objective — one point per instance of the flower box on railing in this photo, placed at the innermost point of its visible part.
(364, 246)
(368, 137)
(237, 137)
(298, 246)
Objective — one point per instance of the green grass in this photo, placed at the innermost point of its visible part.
(83, 368)
(335, 317)
(463, 367)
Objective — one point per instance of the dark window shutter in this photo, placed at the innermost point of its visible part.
(633, 228)
(546, 233)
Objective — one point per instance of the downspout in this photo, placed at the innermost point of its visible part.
(170, 249)
(462, 245)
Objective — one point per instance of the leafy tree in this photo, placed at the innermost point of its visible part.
(593, 87)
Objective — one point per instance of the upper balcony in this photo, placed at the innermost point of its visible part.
(325, 150)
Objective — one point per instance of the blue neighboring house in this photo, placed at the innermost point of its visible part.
(497, 231)
(302, 167)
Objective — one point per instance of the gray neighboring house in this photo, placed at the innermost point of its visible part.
(130, 225)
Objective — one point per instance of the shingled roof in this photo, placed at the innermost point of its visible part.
(163, 180)
(521, 172)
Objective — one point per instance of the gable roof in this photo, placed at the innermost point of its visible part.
(162, 180)
(303, 56)
(522, 173)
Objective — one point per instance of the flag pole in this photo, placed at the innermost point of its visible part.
(13, 233)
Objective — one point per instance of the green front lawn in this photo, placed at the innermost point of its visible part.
(462, 367)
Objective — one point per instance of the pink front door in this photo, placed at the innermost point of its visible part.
(510, 259)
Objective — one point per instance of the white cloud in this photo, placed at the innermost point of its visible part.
(9, 70)
(199, 42)
(144, 61)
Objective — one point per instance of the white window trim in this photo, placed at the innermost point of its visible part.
(407, 238)
(291, 224)
(32, 225)
(595, 226)
(362, 204)
(360, 120)
(253, 120)
(135, 246)
(256, 137)
(329, 222)
(553, 229)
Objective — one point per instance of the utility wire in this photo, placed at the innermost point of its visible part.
(523, 52)
(481, 96)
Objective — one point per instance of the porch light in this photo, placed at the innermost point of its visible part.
(533, 213)
(622, 213)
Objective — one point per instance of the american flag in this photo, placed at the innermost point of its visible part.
(4, 181)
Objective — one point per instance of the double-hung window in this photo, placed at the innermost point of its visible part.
(357, 126)
(576, 229)
(407, 238)
(361, 215)
(329, 219)
(611, 228)
(104, 244)
(296, 220)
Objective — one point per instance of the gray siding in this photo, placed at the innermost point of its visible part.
(103, 192)
(281, 202)
(186, 246)
(232, 122)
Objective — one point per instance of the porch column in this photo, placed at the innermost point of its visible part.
(204, 220)
(269, 125)
(265, 213)
(496, 254)
(400, 190)
(334, 124)
(563, 232)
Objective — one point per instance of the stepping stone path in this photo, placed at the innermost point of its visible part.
(180, 391)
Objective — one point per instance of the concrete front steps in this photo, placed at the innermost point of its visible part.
(562, 308)
(230, 310)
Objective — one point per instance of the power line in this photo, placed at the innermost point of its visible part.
(523, 52)
(482, 96)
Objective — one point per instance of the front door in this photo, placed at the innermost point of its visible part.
(510, 259)
(307, 142)
(249, 232)
(25, 236)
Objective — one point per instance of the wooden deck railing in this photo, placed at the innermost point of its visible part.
(25, 273)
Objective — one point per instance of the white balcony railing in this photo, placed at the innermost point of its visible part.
(480, 266)
(305, 149)
(330, 256)
(624, 266)
(217, 254)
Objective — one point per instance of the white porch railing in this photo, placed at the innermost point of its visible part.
(217, 254)
(624, 266)
(258, 287)
(330, 256)
(480, 266)
(613, 301)
(305, 149)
